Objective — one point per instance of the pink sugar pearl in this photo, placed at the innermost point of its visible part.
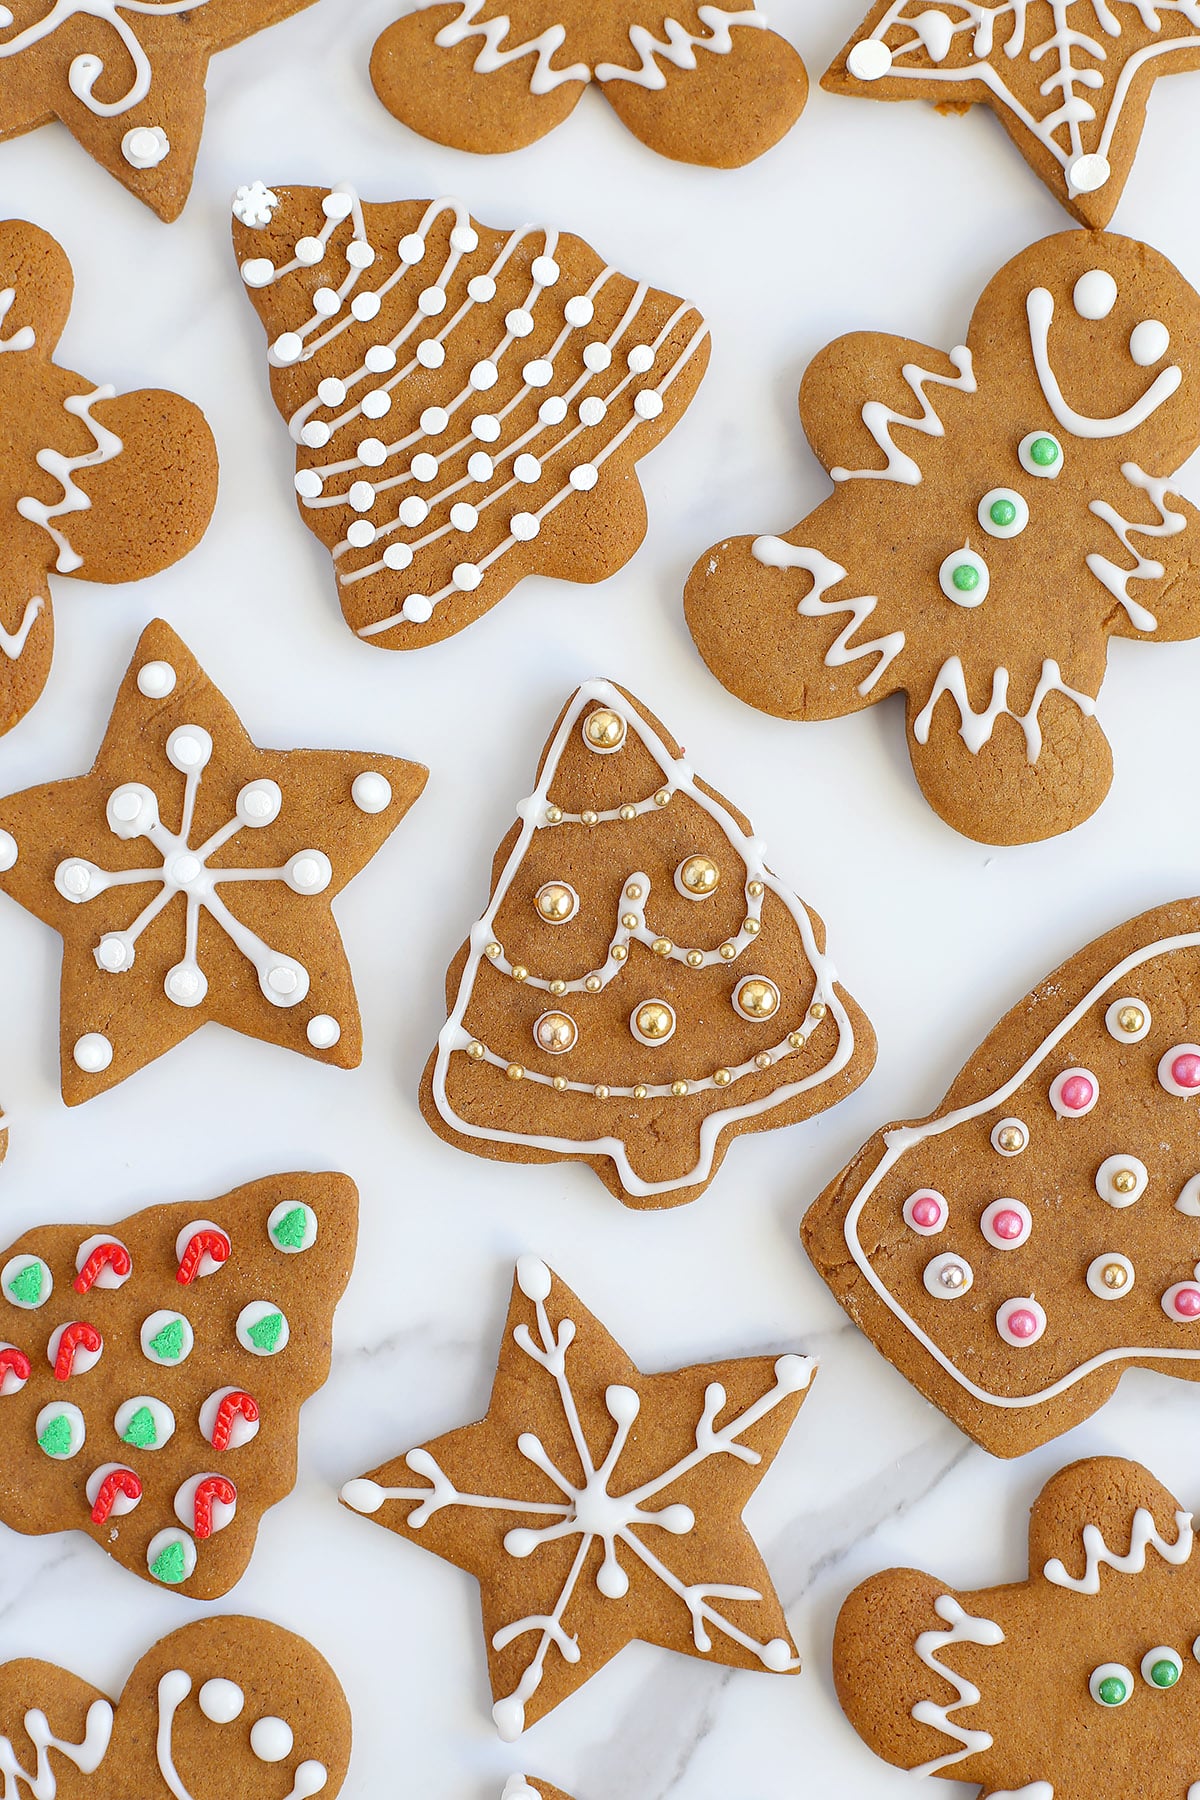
(926, 1211)
(1024, 1324)
(1078, 1092)
(1186, 1070)
(1187, 1303)
(1008, 1224)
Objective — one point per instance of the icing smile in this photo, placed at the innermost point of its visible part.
(1040, 310)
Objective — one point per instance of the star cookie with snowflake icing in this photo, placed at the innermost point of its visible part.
(999, 513)
(191, 875)
(126, 77)
(596, 1505)
(1068, 79)
(699, 83)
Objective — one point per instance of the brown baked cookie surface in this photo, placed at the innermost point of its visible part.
(191, 874)
(1039, 1233)
(526, 1787)
(596, 1505)
(1067, 79)
(106, 486)
(223, 1709)
(152, 1372)
(642, 986)
(468, 406)
(1080, 1680)
(126, 77)
(999, 513)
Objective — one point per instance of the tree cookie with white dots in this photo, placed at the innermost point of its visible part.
(191, 874)
(642, 986)
(152, 1372)
(468, 406)
(1039, 1233)
(1080, 1680)
(1000, 512)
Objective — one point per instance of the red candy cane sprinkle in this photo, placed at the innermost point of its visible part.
(205, 1243)
(79, 1336)
(230, 1408)
(210, 1490)
(105, 1256)
(119, 1481)
(15, 1362)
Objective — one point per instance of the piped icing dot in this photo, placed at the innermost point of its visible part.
(948, 1276)
(1040, 453)
(323, 1031)
(167, 1338)
(1006, 1224)
(964, 577)
(15, 1369)
(206, 1504)
(171, 1557)
(1182, 1302)
(1003, 512)
(74, 1349)
(1010, 1137)
(92, 1053)
(8, 851)
(26, 1281)
(1110, 1685)
(262, 1328)
(1021, 1322)
(61, 1431)
(292, 1227)
(1111, 1276)
(221, 1701)
(1128, 1020)
(926, 1212)
(271, 1739)
(1121, 1180)
(145, 1423)
(229, 1418)
(1088, 173)
(1179, 1070)
(156, 680)
(1074, 1093)
(101, 1261)
(1149, 342)
(1094, 294)
(371, 792)
(113, 1491)
(1161, 1667)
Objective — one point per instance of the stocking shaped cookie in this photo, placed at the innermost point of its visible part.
(107, 487)
(1040, 1233)
(999, 513)
(703, 84)
(1068, 79)
(224, 1709)
(468, 406)
(642, 987)
(152, 1372)
(1081, 1680)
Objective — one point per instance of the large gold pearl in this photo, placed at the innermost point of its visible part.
(1011, 1138)
(556, 902)
(654, 1022)
(604, 729)
(1124, 1181)
(1113, 1275)
(757, 998)
(556, 1032)
(698, 876)
(1131, 1018)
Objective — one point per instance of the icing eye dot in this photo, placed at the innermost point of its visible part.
(1121, 1180)
(1161, 1668)
(1181, 1303)
(1040, 453)
(221, 1701)
(1149, 342)
(1003, 513)
(1111, 1684)
(1074, 1093)
(1006, 1224)
(271, 1739)
(1179, 1070)
(1021, 1322)
(1128, 1021)
(964, 578)
(1110, 1276)
(948, 1277)
(1010, 1137)
(926, 1212)
(1095, 294)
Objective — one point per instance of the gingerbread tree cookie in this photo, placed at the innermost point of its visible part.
(468, 405)
(224, 1709)
(1068, 79)
(132, 863)
(596, 1505)
(154, 1370)
(104, 486)
(999, 513)
(1081, 1680)
(642, 987)
(1039, 1234)
(702, 84)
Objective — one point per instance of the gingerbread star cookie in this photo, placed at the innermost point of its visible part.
(468, 406)
(191, 876)
(702, 84)
(104, 486)
(1000, 512)
(126, 77)
(223, 1709)
(1068, 79)
(1080, 1680)
(596, 1505)
(152, 1372)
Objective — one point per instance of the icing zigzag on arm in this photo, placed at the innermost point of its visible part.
(1143, 1536)
(680, 45)
(64, 468)
(879, 419)
(544, 78)
(776, 553)
(976, 727)
(963, 1629)
(1117, 579)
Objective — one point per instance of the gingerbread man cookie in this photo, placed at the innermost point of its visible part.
(999, 513)
(1080, 1680)
(700, 83)
(104, 486)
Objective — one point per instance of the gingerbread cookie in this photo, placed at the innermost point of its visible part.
(1080, 1680)
(468, 405)
(126, 77)
(181, 805)
(223, 1709)
(104, 486)
(1068, 79)
(520, 1787)
(154, 1370)
(979, 559)
(642, 987)
(571, 1571)
(702, 84)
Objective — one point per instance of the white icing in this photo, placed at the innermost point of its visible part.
(284, 1210)
(961, 1629)
(254, 1314)
(15, 1266)
(86, 69)
(86, 1756)
(370, 792)
(1033, 1790)
(1096, 1270)
(1143, 1536)
(208, 1264)
(145, 146)
(1113, 577)
(24, 338)
(76, 1426)
(679, 45)
(82, 1361)
(242, 1430)
(965, 559)
(222, 1514)
(1189, 1198)
(776, 553)
(1118, 1165)
(156, 680)
(518, 1788)
(13, 643)
(1094, 294)
(92, 1053)
(323, 1031)
(165, 1540)
(879, 420)
(271, 1739)
(122, 1503)
(8, 852)
(254, 205)
(221, 1701)
(975, 728)
(107, 445)
(1040, 309)
(160, 1413)
(173, 1689)
(1149, 342)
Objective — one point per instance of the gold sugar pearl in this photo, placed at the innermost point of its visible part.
(756, 890)
(555, 902)
(679, 1089)
(475, 1051)
(602, 1093)
(628, 812)
(662, 798)
(1113, 1274)
(655, 1020)
(520, 972)
(1124, 1181)
(817, 1010)
(758, 998)
(556, 1032)
(618, 953)
(723, 1077)
(762, 1060)
(640, 1092)
(1131, 1018)
(662, 946)
(604, 729)
(514, 1072)
(796, 1040)
(699, 875)
(589, 817)
(554, 815)
(593, 984)
(1011, 1138)
(695, 958)
(630, 921)
(633, 891)
(558, 987)
(751, 927)
(494, 950)
(560, 1084)
(728, 952)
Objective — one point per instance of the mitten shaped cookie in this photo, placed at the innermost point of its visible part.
(702, 84)
(999, 513)
(152, 1372)
(642, 986)
(1080, 1680)
(1039, 1234)
(104, 486)
(468, 405)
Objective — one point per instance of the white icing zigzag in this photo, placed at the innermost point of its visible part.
(13, 643)
(87, 1756)
(1116, 579)
(1143, 1536)
(963, 1629)
(879, 420)
(24, 338)
(64, 468)
(776, 553)
(976, 727)
(679, 47)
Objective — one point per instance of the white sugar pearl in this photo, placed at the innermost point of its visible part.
(326, 302)
(377, 403)
(309, 250)
(593, 410)
(486, 428)
(524, 526)
(539, 373)
(331, 391)
(359, 255)
(413, 511)
(308, 484)
(480, 466)
(360, 534)
(463, 516)
(648, 404)
(434, 420)
(579, 311)
(597, 357)
(287, 348)
(362, 496)
(337, 206)
(156, 680)
(258, 272)
(527, 468)
(370, 792)
(484, 375)
(424, 467)
(519, 322)
(8, 843)
(93, 1053)
(397, 556)
(430, 354)
(372, 452)
(584, 477)
(467, 577)
(380, 359)
(412, 247)
(323, 1032)
(641, 358)
(432, 301)
(552, 411)
(545, 271)
(481, 289)
(464, 239)
(316, 434)
(365, 306)
(417, 609)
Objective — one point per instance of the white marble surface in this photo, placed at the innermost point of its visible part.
(867, 215)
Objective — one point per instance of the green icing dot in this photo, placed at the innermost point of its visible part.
(965, 578)
(292, 1229)
(168, 1343)
(1164, 1673)
(56, 1439)
(1044, 451)
(27, 1286)
(1111, 1690)
(265, 1335)
(1002, 513)
(141, 1431)
(170, 1565)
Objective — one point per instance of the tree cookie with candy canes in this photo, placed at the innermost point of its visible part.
(191, 876)
(702, 84)
(467, 405)
(152, 1372)
(642, 986)
(223, 1709)
(999, 513)
(1080, 1680)
(103, 486)
(1067, 79)
(1039, 1233)
(596, 1505)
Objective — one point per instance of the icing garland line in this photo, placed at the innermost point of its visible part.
(879, 419)
(1116, 579)
(905, 1137)
(679, 46)
(678, 778)
(777, 553)
(1039, 307)
(12, 643)
(86, 70)
(64, 468)
(976, 728)
(1143, 1536)
(963, 1629)
(87, 1756)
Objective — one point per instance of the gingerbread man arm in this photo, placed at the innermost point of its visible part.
(1153, 549)
(865, 398)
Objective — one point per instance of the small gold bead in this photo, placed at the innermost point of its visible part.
(1113, 1275)
(556, 902)
(662, 798)
(757, 998)
(593, 984)
(589, 817)
(679, 1089)
(494, 950)
(602, 1093)
(640, 1092)
(662, 946)
(520, 972)
(756, 890)
(1131, 1018)
(553, 815)
(556, 1033)
(796, 1040)
(628, 812)
(654, 1020)
(722, 1077)
(630, 921)
(515, 1071)
(1124, 1181)
(728, 952)
(618, 953)
(633, 891)
(751, 927)
(698, 875)
(817, 1010)
(695, 958)
(560, 1084)
(475, 1051)
(762, 1060)
(1011, 1138)
(558, 987)
(604, 729)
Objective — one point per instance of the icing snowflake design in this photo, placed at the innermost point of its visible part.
(254, 205)
(1020, 518)
(86, 69)
(1068, 79)
(611, 1537)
